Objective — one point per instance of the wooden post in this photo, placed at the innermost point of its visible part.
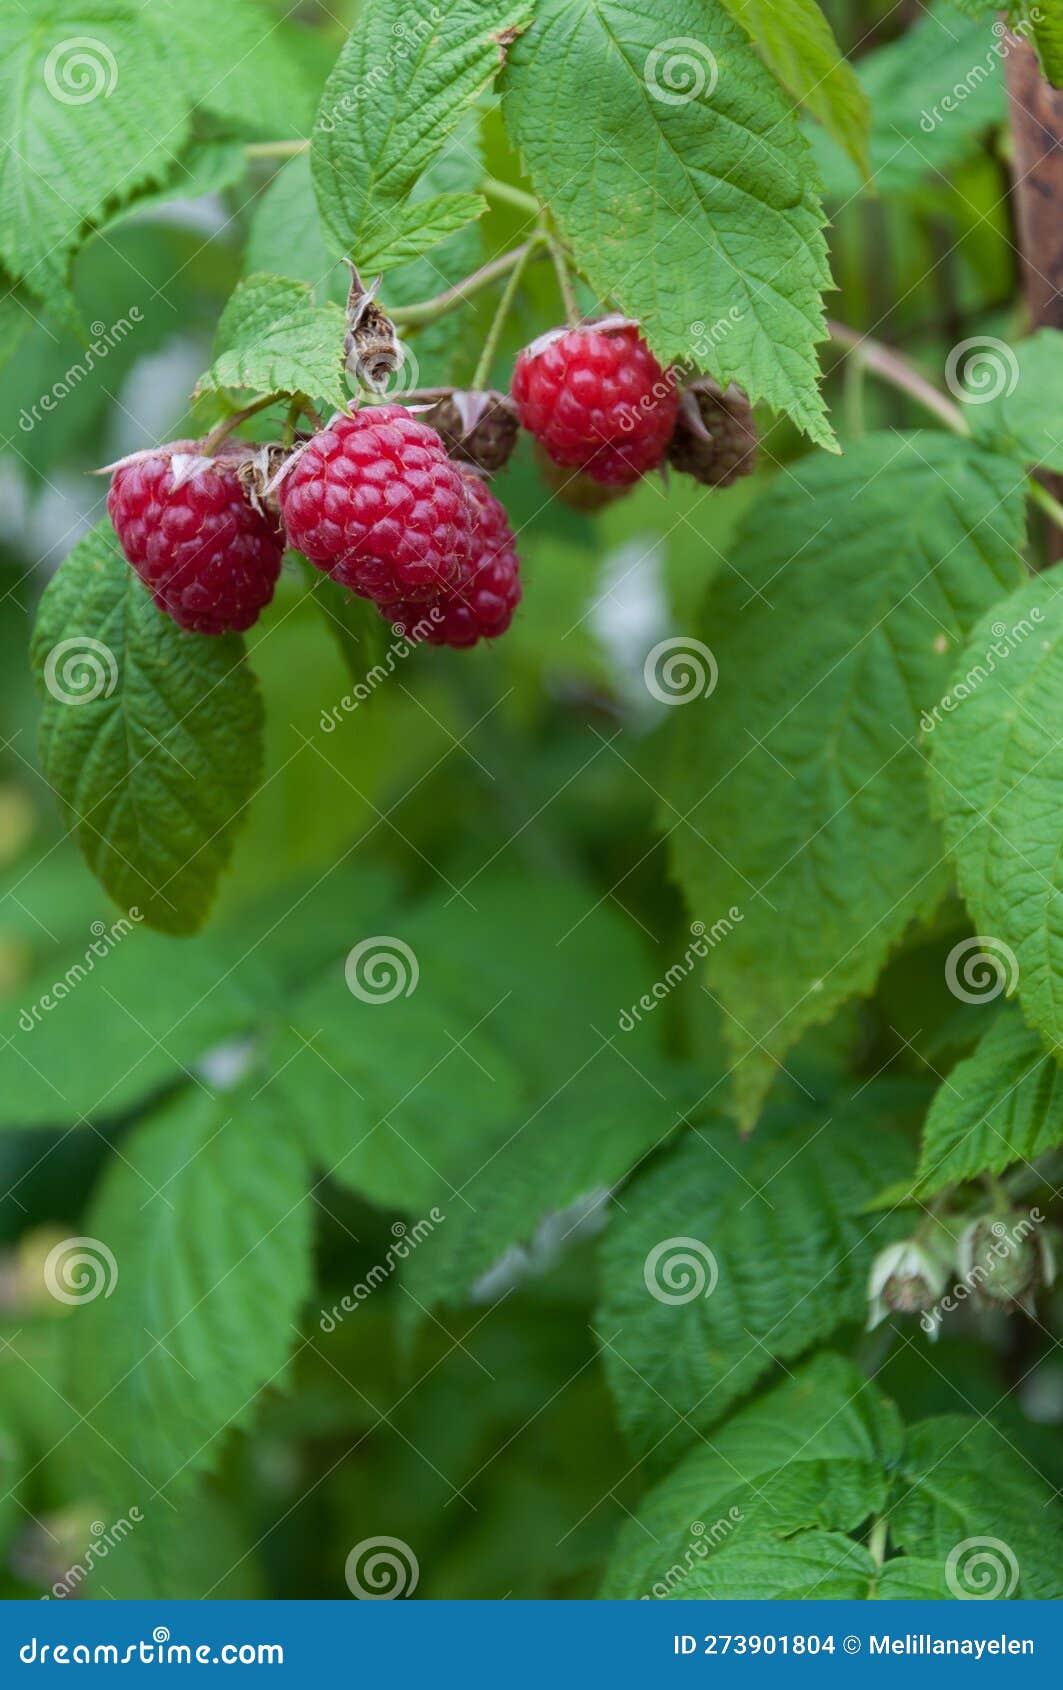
(1036, 111)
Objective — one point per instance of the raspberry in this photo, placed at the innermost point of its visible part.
(375, 502)
(715, 437)
(597, 399)
(207, 557)
(482, 606)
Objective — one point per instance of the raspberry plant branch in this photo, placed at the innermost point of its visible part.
(427, 310)
(506, 194)
(564, 279)
(882, 361)
(505, 305)
(222, 430)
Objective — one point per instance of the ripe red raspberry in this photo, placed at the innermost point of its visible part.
(482, 605)
(207, 557)
(375, 502)
(597, 399)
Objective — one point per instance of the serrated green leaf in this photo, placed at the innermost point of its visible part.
(1003, 1104)
(207, 167)
(810, 1457)
(933, 92)
(678, 175)
(796, 790)
(997, 781)
(563, 1153)
(385, 115)
(207, 1222)
(399, 1100)
(808, 1567)
(771, 1254)
(92, 114)
(274, 338)
(798, 43)
(415, 228)
(1024, 418)
(963, 1481)
(239, 65)
(107, 1025)
(150, 737)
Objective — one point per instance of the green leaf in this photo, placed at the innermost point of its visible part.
(101, 1028)
(808, 1458)
(933, 92)
(402, 84)
(150, 737)
(795, 790)
(563, 1152)
(207, 167)
(206, 1219)
(415, 228)
(798, 43)
(998, 785)
(242, 67)
(731, 1254)
(274, 338)
(92, 114)
(286, 238)
(964, 1480)
(678, 175)
(1003, 1104)
(1023, 417)
(402, 1099)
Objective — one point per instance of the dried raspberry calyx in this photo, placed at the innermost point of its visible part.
(477, 427)
(715, 437)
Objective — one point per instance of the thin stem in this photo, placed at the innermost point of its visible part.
(564, 280)
(427, 310)
(508, 195)
(876, 1543)
(222, 430)
(884, 362)
(275, 149)
(505, 304)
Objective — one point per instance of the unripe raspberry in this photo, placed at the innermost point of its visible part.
(478, 428)
(482, 605)
(375, 502)
(715, 437)
(574, 487)
(597, 400)
(208, 558)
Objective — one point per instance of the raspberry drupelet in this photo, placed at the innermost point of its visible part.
(481, 606)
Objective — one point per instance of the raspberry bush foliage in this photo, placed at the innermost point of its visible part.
(530, 828)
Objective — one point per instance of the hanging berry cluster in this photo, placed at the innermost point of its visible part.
(392, 501)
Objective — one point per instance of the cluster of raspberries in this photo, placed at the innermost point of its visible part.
(399, 511)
